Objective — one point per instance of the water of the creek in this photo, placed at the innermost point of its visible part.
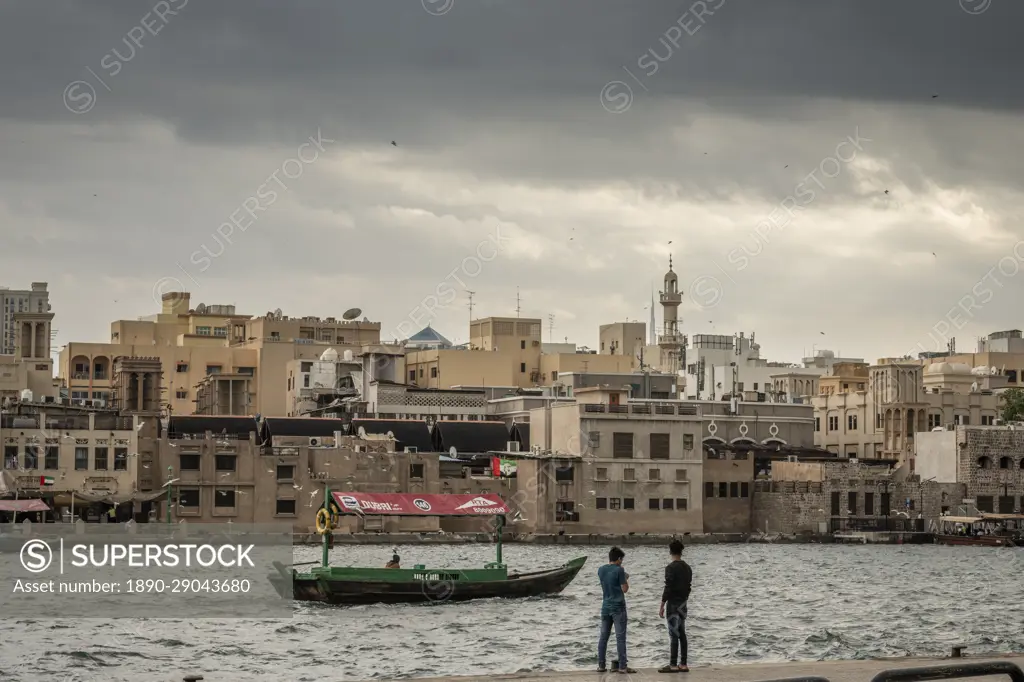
(750, 602)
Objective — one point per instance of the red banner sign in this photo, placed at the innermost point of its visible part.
(23, 505)
(412, 504)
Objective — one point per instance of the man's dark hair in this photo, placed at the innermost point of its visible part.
(675, 548)
(615, 554)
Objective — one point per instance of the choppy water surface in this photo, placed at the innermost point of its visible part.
(750, 602)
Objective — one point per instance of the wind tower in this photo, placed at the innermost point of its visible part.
(671, 341)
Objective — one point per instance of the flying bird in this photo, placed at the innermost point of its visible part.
(886, 191)
(933, 253)
(934, 96)
(822, 333)
(393, 143)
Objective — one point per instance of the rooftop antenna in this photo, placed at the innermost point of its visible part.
(471, 295)
(551, 327)
(517, 301)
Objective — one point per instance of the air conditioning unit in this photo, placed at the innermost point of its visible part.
(512, 446)
(78, 401)
(314, 442)
(535, 449)
(854, 460)
(411, 450)
(791, 458)
(359, 448)
(99, 403)
(950, 426)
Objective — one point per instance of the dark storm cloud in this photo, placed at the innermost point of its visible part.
(497, 113)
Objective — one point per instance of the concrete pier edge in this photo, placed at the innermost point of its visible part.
(611, 539)
(860, 670)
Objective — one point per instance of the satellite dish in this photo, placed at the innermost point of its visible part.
(201, 309)
(278, 313)
(351, 314)
(391, 434)
(453, 452)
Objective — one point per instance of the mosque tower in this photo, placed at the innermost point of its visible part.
(671, 342)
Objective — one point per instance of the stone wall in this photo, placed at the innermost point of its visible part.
(801, 506)
(1000, 446)
(788, 507)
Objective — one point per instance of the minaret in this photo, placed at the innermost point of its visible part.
(653, 333)
(671, 340)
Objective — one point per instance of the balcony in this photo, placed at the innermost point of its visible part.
(671, 298)
(671, 339)
(80, 375)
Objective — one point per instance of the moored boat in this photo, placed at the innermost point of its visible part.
(979, 531)
(356, 585)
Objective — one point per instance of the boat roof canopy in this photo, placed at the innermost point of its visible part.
(1002, 517)
(961, 519)
(413, 504)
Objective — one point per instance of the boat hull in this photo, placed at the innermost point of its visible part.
(343, 591)
(977, 541)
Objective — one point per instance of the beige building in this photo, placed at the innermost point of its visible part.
(14, 301)
(623, 338)
(642, 462)
(212, 358)
(899, 400)
(793, 387)
(91, 455)
(31, 366)
(504, 351)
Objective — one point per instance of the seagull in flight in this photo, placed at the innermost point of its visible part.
(393, 143)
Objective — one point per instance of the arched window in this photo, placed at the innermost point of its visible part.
(984, 462)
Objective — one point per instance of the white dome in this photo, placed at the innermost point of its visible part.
(329, 355)
(948, 368)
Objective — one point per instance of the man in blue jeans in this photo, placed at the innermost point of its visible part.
(614, 585)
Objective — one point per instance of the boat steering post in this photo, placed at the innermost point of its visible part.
(499, 525)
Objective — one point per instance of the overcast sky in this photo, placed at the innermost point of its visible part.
(554, 146)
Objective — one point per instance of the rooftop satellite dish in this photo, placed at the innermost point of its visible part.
(201, 309)
(391, 434)
(278, 313)
(453, 452)
(351, 314)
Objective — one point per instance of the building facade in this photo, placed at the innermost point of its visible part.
(14, 301)
(883, 420)
(639, 465)
(248, 355)
(72, 457)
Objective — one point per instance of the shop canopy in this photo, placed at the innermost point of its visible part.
(412, 504)
(23, 506)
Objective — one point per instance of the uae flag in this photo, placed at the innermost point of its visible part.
(46, 480)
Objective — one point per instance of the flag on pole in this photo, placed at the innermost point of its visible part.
(46, 480)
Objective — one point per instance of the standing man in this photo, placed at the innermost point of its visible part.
(614, 585)
(678, 579)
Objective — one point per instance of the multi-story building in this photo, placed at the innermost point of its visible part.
(14, 301)
(793, 387)
(72, 457)
(986, 462)
(640, 465)
(238, 363)
(882, 420)
(623, 338)
(31, 366)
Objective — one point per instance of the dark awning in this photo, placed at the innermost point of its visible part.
(470, 437)
(306, 427)
(521, 434)
(238, 427)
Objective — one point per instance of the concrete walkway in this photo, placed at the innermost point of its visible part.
(834, 671)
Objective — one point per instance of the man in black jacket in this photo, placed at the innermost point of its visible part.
(678, 579)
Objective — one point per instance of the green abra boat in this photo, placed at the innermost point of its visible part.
(351, 585)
